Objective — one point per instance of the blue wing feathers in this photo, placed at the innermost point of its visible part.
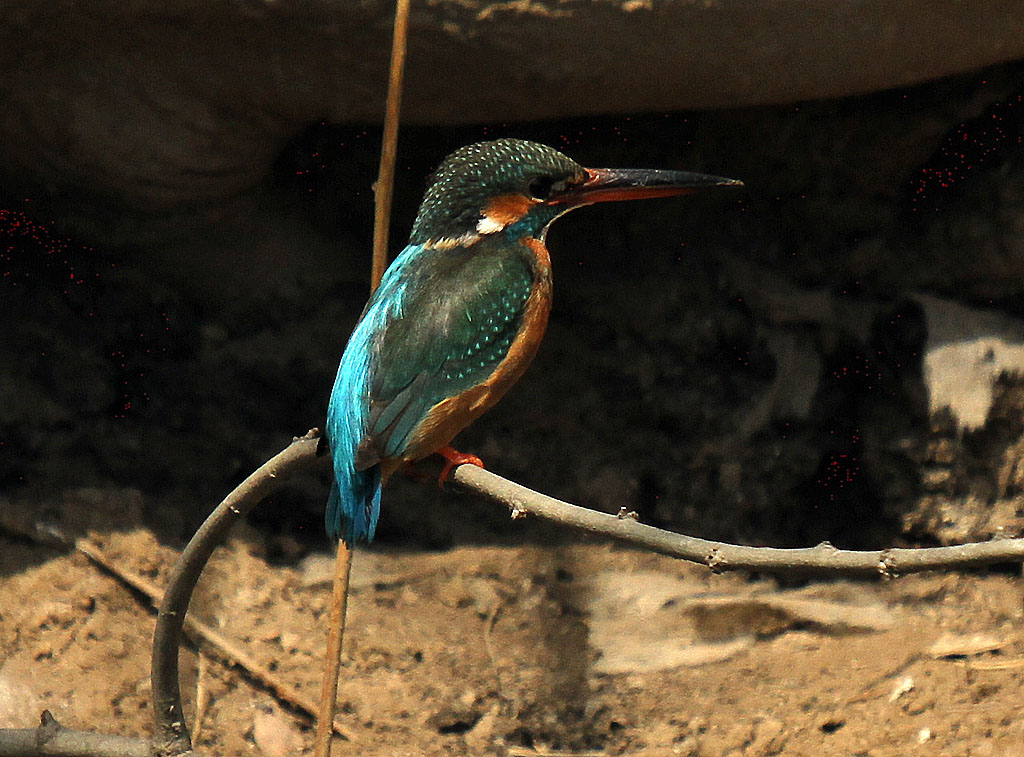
(354, 502)
(353, 506)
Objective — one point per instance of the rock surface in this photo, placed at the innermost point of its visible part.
(183, 108)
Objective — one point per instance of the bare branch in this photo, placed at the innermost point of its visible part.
(50, 738)
(721, 557)
(325, 718)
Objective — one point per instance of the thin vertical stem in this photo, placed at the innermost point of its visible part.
(332, 665)
(381, 219)
(389, 147)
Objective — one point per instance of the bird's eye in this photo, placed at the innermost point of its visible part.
(540, 187)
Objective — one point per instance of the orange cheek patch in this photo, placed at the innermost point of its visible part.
(506, 209)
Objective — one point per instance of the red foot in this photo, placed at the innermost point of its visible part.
(454, 458)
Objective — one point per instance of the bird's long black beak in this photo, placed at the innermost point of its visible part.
(611, 184)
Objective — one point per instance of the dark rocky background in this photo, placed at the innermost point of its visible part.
(185, 246)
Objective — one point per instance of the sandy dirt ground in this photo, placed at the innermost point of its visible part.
(571, 649)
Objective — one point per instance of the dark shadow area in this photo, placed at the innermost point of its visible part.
(176, 369)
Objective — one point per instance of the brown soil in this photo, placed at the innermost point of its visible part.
(566, 649)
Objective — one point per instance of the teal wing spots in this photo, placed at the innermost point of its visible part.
(459, 318)
(489, 336)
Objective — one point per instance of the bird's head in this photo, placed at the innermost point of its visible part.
(520, 187)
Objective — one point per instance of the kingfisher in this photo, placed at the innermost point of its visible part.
(460, 313)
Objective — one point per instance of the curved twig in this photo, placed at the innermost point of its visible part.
(171, 736)
(213, 642)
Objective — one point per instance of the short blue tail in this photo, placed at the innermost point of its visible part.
(354, 503)
(352, 512)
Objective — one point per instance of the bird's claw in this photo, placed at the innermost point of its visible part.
(453, 459)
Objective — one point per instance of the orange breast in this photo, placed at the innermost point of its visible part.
(448, 417)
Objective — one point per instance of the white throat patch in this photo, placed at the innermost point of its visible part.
(489, 225)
